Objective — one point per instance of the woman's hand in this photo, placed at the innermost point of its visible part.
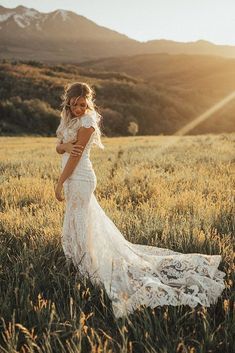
(74, 150)
(58, 192)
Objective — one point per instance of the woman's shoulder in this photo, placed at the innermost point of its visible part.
(89, 119)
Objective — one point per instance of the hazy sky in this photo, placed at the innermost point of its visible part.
(180, 20)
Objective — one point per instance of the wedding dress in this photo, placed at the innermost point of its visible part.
(132, 274)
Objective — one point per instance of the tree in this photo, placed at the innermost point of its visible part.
(133, 128)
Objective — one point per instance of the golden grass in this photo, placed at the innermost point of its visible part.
(181, 198)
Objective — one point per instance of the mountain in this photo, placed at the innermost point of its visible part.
(56, 36)
(64, 36)
(200, 47)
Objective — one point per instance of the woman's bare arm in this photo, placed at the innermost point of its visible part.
(83, 137)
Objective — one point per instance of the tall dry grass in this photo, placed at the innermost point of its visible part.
(181, 198)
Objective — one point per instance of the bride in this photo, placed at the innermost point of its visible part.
(132, 274)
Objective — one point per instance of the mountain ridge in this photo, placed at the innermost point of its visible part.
(65, 36)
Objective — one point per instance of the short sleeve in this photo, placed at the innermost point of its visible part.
(89, 120)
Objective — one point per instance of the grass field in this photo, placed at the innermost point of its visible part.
(180, 197)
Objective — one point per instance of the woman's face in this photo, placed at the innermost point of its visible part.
(78, 106)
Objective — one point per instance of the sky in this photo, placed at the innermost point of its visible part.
(178, 20)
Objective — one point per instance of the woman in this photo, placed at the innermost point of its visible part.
(132, 274)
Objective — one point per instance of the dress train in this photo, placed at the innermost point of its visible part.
(133, 274)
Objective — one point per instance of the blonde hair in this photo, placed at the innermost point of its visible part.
(76, 90)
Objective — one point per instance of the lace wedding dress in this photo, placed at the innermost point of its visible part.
(132, 274)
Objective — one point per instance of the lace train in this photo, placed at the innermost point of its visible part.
(132, 274)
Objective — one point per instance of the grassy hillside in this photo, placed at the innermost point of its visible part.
(160, 92)
(179, 197)
(190, 83)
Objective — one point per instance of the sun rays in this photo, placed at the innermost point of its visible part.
(188, 127)
(196, 121)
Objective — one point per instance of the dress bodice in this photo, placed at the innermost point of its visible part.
(84, 168)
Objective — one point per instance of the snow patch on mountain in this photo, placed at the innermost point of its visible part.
(63, 14)
(5, 16)
(31, 13)
(23, 20)
(28, 16)
(19, 20)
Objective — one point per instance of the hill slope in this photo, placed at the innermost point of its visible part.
(190, 84)
(160, 92)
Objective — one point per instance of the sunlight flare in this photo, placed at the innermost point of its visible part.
(192, 124)
(205, 115)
